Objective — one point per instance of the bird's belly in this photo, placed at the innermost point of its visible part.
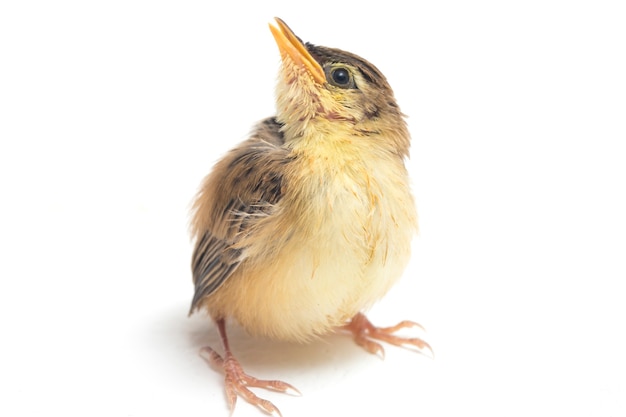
(321, 277)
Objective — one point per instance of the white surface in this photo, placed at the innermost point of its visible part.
(109, 120)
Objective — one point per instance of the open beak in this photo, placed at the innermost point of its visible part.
(290, 46)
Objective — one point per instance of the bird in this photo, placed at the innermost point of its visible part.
(306, 224)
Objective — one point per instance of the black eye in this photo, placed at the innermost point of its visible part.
(341, 77)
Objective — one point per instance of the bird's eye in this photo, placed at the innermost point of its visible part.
(341, 77)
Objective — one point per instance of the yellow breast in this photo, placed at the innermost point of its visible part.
(338, 240)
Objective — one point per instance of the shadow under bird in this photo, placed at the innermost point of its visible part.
(307, 223)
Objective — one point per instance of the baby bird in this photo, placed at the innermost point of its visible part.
(309, 222)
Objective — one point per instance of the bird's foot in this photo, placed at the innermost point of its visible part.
(365, 334)
(237, 382)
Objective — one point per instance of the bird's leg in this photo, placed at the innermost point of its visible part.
(237, 381)
(365, 334)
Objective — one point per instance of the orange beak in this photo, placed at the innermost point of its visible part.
(290, 46)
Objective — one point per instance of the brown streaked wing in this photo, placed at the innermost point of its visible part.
(250, 184)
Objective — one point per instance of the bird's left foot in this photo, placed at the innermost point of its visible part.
(365, 334)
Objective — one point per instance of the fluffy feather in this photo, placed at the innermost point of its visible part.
(310, 220)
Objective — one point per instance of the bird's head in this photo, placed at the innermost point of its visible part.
(329, 93)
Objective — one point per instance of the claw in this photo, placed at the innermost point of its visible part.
(405, 324)
(237, 382)
(364, 331)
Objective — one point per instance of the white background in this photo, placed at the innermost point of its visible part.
(111, 113)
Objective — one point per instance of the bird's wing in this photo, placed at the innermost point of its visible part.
(213, 262)
(243, 187)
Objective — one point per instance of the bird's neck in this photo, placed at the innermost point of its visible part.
(345, 142)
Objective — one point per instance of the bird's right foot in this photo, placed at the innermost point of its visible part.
(236, 382)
